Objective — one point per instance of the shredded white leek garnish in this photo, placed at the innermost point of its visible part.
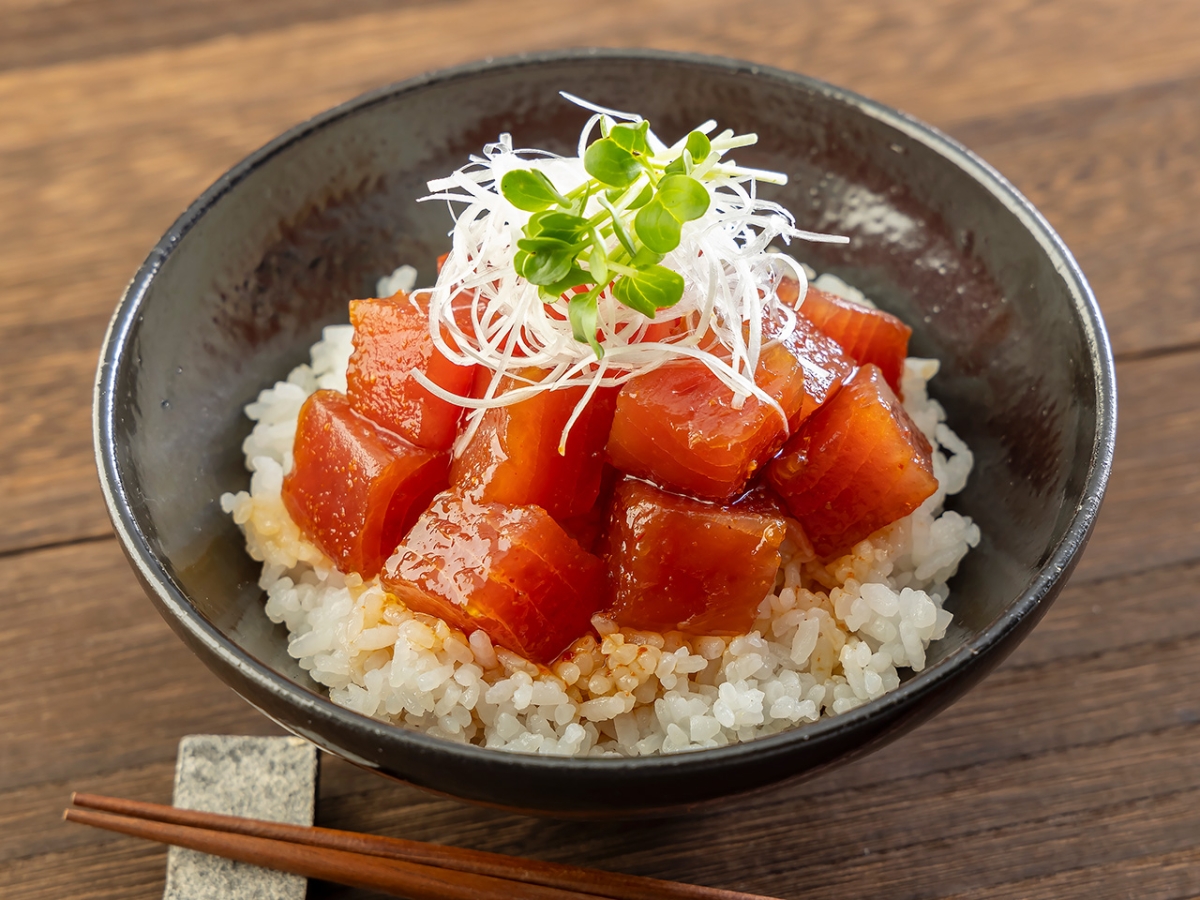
(730, 279)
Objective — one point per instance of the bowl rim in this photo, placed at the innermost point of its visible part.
(174, 604)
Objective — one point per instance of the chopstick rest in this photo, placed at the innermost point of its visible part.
(260, 777)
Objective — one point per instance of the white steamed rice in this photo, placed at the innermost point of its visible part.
(829, 638)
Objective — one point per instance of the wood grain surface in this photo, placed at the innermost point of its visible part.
(1073, 771)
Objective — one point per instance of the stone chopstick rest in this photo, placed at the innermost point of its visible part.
(271, 778)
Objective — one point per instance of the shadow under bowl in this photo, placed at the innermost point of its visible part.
(234, 294)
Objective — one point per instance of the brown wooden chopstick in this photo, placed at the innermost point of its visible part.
(576, 881)
(402, 879)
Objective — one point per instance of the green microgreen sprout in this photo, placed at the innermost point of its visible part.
(645, 201)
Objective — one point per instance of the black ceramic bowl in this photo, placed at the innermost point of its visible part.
(233, 295)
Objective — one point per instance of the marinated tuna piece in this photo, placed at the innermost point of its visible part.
(509, 570)
(858, 464)
(679, 564)
(678, 427)
(870, 336)
(513, 457)
(355, 488)
(391, 341)
(825, 365)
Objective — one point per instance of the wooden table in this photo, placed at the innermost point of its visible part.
(1073, 771)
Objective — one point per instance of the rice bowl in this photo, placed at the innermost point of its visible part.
(193, 332)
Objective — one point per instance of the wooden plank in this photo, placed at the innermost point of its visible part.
(1169, 876)
(89, 641)
(31, 821)
(48, 485)
(954, 805)
(121, 869)
(1069, 702)
(958, 58)
(1115, 175)
(1147, 608)
(131, 870)
(969, 813)
(978, 801)
(1154, 826)
(43, 33)
(1148, 518)
(101, 154)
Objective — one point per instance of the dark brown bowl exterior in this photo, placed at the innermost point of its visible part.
(237, 290)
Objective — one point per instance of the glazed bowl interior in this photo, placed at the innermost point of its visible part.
(241, 286)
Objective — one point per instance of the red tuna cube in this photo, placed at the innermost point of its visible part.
(391, 341)
(513, 457)
(508, 570)
(858, 464)
(355, 488)
(678, 427)
(822, 362)
(870, 336)
(676, 563)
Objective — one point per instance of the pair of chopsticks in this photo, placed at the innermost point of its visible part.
(395, 866)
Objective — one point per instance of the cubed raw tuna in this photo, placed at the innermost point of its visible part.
(513, 457)
(678, 427)
(391, 342)
(870, 336)
(858, 464)
(676, 563)
(823, 362)
(356, 488)
(509, 570)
